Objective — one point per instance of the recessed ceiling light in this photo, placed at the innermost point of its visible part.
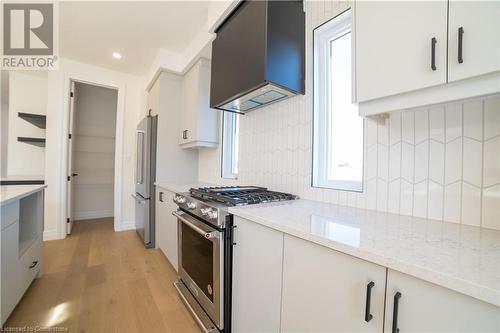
(117, 55)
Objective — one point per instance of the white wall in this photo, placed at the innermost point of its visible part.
(4, 122)
(94, 151)
(442, 163)
(131, 101)
(27, 93)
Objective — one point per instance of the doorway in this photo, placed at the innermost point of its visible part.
(91, 152)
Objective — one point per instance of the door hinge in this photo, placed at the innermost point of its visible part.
(69, 136)
(67, 220)
(71, 94)
(69, 178)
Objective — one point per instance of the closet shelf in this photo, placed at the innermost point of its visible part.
(94, 152)
(39, 120)
(40, 142)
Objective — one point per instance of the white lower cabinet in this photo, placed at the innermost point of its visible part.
(166, 225)
(20, 249)
(282, 283)
(326, 291)
(426, 307)
(257, 275)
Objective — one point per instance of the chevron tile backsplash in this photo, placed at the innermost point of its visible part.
(440, 163)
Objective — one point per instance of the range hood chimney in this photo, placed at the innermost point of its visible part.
(258, 56)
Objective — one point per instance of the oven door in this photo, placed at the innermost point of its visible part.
(201, 254)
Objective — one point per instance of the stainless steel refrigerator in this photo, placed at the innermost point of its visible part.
(145, 174)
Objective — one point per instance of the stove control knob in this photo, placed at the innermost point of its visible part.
(204, 211)
(180, 199)
(191, 205)
(212, 214)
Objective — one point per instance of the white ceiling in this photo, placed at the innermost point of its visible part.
(90, 31)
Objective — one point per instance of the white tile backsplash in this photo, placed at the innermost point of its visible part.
(436, 162)
(407, 162)
(473, 120)
(452, 210)
(420, 199)
(491, 172)
(471, 204)
(421, 126)
(436, 124)
(435, 201)
(491, 118)
(453, 121)
(421, 161)
(408, 168)
(453, 161)
(472, 162)
(491, 207)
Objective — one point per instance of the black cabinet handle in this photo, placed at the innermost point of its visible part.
(74, 175)
(185, 134)
(161, 197)
(433, 53)
(368, 315)
(460, 44)
(33, 264)
(395, 328)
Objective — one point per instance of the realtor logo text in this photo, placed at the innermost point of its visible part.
(29, 38)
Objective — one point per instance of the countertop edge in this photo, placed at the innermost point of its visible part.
(482, 293)
(35, 188)
(181, 186)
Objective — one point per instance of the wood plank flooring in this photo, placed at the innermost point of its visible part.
(98, 280)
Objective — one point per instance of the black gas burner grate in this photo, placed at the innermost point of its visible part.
(239, 195)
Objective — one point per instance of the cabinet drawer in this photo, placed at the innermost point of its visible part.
(30, 263)
(9, 213)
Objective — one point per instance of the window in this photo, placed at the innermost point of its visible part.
(338, 130)
(230, 144)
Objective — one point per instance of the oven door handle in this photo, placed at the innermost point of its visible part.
(207, 234)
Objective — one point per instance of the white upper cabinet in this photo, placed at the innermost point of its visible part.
(199, 123)
(474, 30)
(407, 53)
(394, 51)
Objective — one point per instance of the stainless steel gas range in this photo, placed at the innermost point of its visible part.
(205, 236)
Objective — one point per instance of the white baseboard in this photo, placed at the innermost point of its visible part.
(96, 214)
(125, 225)
(50, 235)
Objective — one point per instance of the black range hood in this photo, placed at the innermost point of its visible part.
(258, 56)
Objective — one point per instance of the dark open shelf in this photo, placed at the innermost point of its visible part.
(39, 120)
(40, 142)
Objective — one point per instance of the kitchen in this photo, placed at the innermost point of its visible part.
(376, 185)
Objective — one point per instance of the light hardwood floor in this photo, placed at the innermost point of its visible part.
(98, 280)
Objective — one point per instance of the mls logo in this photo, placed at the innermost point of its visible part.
(28, 36)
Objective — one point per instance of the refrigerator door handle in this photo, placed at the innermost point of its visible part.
(137, 198)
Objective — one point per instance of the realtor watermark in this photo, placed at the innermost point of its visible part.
(30, 38)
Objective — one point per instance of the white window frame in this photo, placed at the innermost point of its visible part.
(323, 35)
(230, 145)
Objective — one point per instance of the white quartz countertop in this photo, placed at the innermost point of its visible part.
(181, 186)
(459, 257)
(9, 193)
